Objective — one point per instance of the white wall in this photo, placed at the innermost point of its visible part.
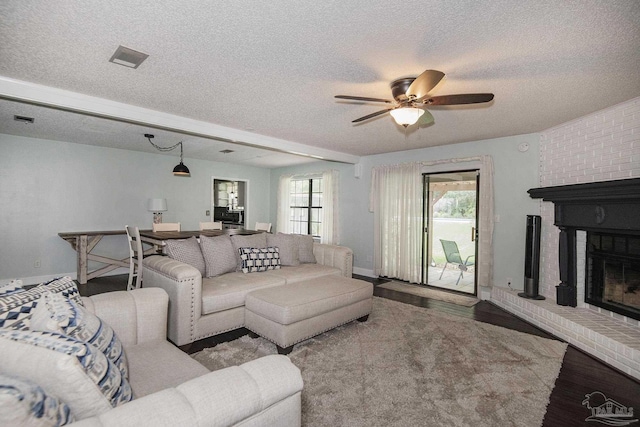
(601, 146)
(47, 187)
(515, 173)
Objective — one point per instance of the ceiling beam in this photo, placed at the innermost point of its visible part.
(60, 99)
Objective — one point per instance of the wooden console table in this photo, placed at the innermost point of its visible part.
(83, 242)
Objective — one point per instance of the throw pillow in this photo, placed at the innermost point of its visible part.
(78, 372)
(305, 246)
(288, 246)
(247, 241)
(56, 313)
(187, 251)
(219, 255)
(16, 308)
(259, 259)
(24, 403)
(11, 287)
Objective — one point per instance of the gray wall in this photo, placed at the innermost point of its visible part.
(47, 187)
(515, 173)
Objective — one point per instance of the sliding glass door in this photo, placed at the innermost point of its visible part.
(450, 230)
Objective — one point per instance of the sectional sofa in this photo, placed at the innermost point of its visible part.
(207, 300)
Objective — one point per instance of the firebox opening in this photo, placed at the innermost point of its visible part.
(613, 273)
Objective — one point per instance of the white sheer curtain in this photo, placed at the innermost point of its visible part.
(396, 200)
(283, 225)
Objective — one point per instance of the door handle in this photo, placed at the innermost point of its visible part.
(473, 234)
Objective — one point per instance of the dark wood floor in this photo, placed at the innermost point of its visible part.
(580, 374)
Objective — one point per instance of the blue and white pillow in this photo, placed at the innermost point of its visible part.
(11, 287)
(81, 375)
(24, 403)
(57, 313)
(16, 308)
(255, 260)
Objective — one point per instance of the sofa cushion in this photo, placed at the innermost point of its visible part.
(78, 372)
(219, 255)
(229, 290)
(187, 251)
(305, 272)
(288, 246)
(57, 313)
(24, 403)
(16, 308)
(305, 248)
(255, 260)
(247, 241)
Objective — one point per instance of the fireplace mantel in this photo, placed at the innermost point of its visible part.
(611, 206)
(595, 206)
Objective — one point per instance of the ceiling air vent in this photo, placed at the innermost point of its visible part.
(226, 151)
(128, 57)
(24, 119)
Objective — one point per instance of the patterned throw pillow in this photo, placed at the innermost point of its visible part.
(16, 308)
(247, 241)
(305, 246)
(288, 246)
(259, 259)
(24, 403)
(11, 288)
(187, 251)
(57, 313)
(80, 374)
(219, 255)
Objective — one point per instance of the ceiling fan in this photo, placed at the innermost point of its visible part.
(411, 95)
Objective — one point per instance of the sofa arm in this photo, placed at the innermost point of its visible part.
(334, 256)
(263, 392)
(136, 316)
(183, 284)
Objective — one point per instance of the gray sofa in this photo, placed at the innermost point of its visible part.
(202, 307)
(170, 388)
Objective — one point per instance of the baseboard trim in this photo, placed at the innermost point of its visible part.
(364, 272)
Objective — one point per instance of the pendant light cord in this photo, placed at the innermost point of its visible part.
(165, 148)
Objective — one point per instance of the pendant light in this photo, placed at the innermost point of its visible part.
(181, 169)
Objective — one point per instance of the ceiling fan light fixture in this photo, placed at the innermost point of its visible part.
(406, 116)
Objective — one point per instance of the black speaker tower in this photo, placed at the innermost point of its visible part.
(532, 259)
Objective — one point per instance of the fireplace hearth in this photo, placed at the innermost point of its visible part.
(609, 212)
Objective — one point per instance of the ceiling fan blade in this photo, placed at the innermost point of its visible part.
(426, 119)
(467, 98)
(424, 83)
(372, 115)
(363, 98)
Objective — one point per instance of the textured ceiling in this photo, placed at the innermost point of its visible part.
(272, 68)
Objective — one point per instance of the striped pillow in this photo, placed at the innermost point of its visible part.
(24, 403)
(79, 373)
(16, 308)
(57, 313)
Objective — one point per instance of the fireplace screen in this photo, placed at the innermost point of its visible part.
(613, 273)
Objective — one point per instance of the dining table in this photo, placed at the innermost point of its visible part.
(84, 243)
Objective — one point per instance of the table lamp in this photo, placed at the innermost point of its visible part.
(157, 206)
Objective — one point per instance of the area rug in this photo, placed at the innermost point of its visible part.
(430, 293)
(411, 366)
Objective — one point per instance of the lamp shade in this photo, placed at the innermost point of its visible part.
(406, 116)
(181, 170)
(157, 205)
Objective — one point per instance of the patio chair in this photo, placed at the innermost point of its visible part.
(452, 255)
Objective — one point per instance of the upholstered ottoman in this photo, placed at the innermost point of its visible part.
(292, 313)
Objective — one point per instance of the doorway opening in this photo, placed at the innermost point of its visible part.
(450, 238)
(229, 200)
